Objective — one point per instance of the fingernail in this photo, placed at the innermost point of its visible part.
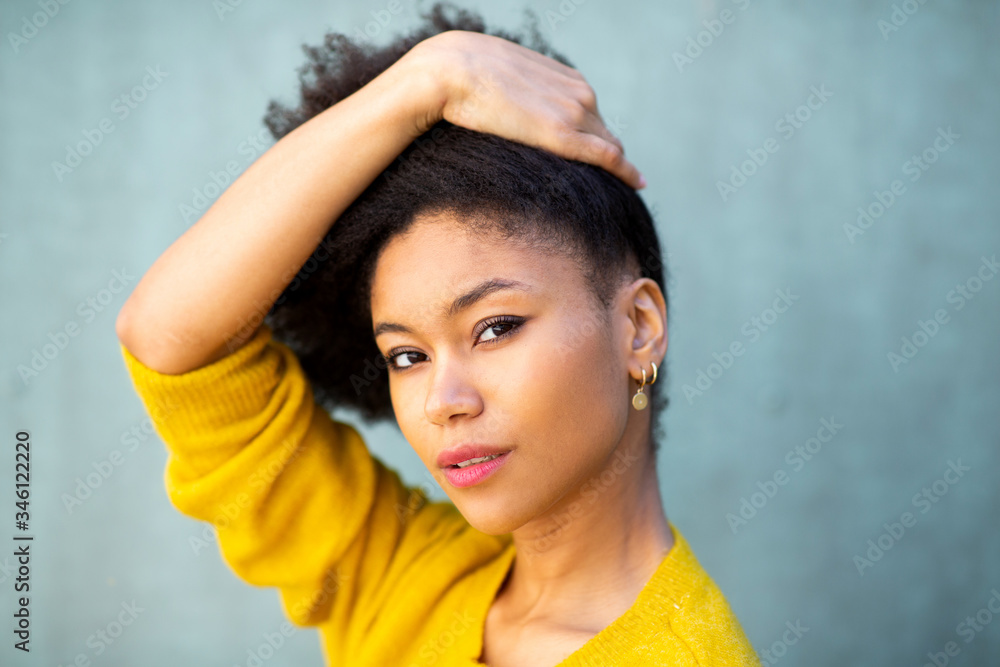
(642, 181)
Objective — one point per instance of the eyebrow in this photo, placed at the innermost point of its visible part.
(461, 302)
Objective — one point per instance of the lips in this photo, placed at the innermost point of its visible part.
(475, 473)
(463, 453)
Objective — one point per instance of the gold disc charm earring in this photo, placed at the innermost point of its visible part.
(639, 400)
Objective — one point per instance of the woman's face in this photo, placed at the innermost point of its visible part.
(548, 381)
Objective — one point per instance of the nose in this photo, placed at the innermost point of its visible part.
(451, 392)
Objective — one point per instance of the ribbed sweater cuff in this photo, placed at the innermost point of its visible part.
(174, 394)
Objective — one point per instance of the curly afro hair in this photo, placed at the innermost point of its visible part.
(495, 186)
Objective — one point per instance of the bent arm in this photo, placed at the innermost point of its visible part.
(237, 259)
(296, 499)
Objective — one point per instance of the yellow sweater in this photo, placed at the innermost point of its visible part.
(388, 578)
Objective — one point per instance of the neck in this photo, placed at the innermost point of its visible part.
(601, 542)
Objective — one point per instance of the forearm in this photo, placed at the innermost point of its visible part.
(243, 252)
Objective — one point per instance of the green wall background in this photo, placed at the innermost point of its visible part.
(889, 91)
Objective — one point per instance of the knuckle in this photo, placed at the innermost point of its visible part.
(576, 114)
(612, 155)
(588, 97)
(559, 135)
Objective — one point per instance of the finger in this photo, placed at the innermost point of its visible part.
(626, 170)
(547, 61)
(594, 124)
(599, 151)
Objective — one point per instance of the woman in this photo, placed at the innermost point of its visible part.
(445, 234)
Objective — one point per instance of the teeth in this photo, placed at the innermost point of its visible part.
(465, 464)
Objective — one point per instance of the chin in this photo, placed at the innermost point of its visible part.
(490, 514)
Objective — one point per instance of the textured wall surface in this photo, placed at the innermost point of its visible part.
(832, 161)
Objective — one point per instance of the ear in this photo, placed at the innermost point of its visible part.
(647, 312)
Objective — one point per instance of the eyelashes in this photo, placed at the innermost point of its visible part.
(515, 322)
(512, 321)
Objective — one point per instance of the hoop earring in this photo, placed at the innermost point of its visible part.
(640, 401)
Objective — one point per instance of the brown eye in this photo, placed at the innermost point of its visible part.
(392, 360)
(508, 324)
(492, 328)
(502, 321)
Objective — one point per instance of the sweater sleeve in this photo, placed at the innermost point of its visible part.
(297, 500)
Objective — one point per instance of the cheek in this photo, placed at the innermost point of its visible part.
(409, 415)
(594, 389)
(565, 394)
